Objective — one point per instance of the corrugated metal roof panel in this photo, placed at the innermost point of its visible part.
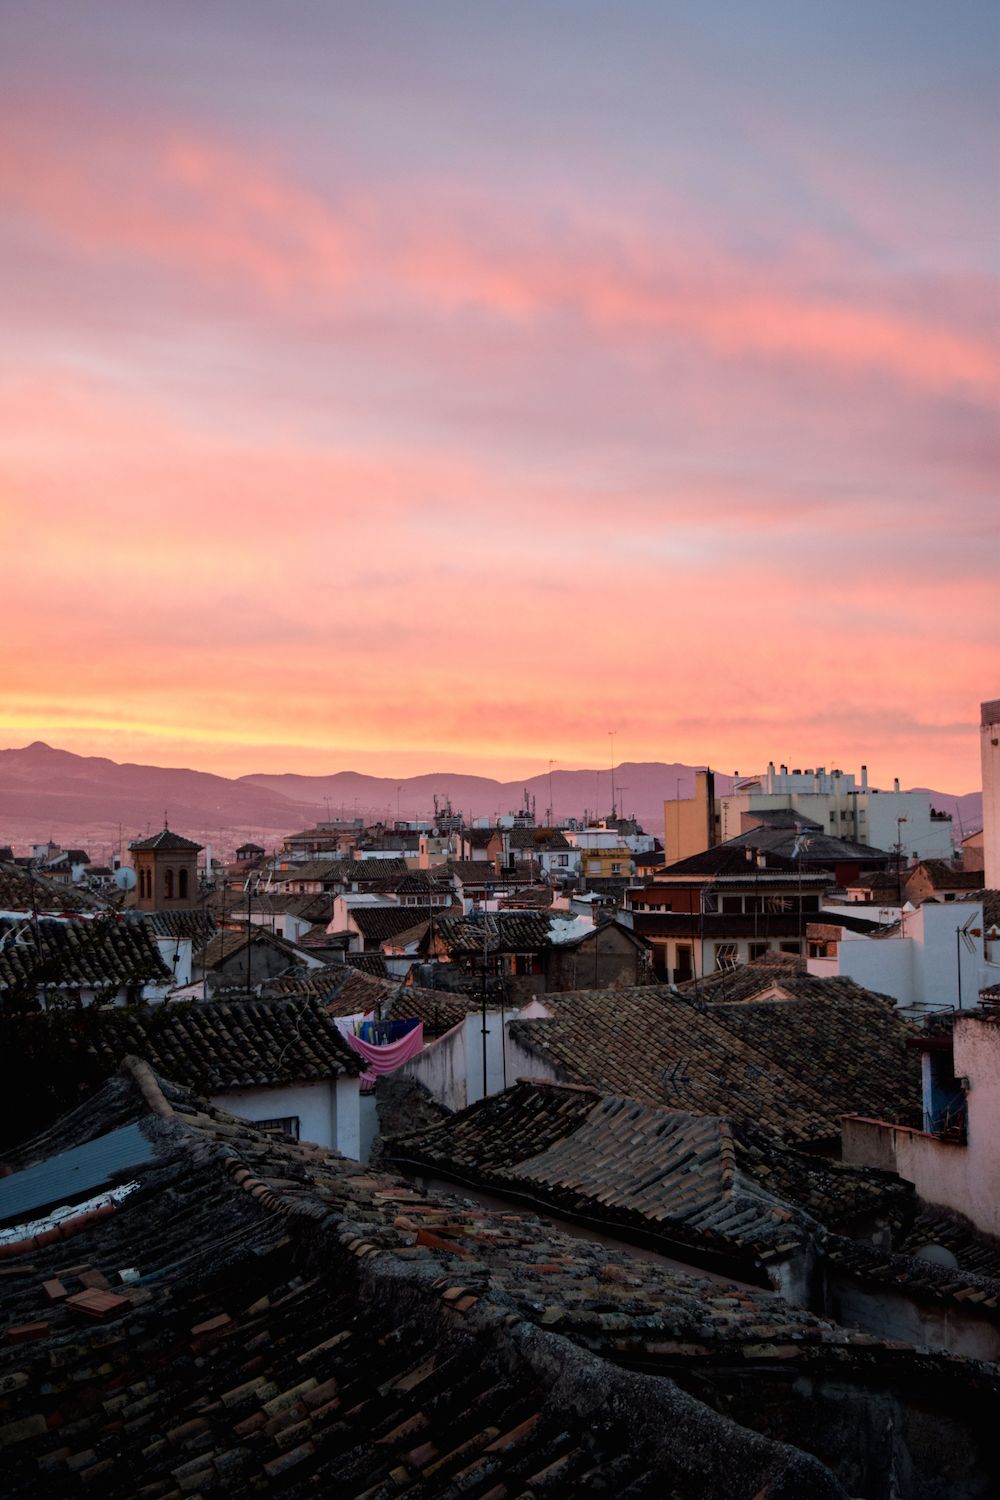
(72, 1174)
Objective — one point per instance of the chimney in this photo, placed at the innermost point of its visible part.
(864, 778)
(895, 784)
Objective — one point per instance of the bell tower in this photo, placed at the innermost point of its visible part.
(166, 869)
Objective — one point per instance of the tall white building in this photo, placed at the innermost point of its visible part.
(989, 740)
(844, 807)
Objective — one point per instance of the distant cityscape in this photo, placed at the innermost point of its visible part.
(764, 1046)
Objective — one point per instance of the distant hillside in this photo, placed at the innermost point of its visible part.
(639, 786)
(74, 799)
(48, 793)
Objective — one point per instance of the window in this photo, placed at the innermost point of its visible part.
(182, 884)
(732, 904)
(283, 1125)
(757, 950)
(169, 885)
(616, 869)
(726, 955)
(790, 947)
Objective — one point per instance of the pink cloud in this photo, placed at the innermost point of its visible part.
(201, 212)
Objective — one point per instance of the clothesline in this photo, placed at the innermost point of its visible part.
(386, 1059)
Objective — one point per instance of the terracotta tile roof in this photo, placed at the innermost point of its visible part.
(514, 932)
(348, 990)
(892, 1272)
(695, 1185)
(472, 871)
(357, 991)
(783, 849)
(69, 954)
(323, 984)
(23, 890)
(880, 880)
(315, 907)
(367, 963)
(311, 869)
(938, 1226)
(419, 882)
(329, 947)
(376, 923)
(166, 839)
(408, 938)
(366, 871)
(990, 901)
(795, 1067)
(196, 925)
(211, 1045)
(537, 840)
(944, 876)
(782, 971)
(838, 1038)
(302, 1325)
(439, 1010)
(230, 940)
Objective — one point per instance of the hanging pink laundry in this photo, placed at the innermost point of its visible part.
(387, 1059)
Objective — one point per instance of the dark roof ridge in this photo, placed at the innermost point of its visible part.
(555, 1083)
(145, 1081)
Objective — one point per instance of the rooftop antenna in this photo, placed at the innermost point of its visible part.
(552, 810)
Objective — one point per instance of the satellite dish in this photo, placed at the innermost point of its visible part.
(125, 878)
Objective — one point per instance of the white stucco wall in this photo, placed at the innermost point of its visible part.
(524, 1064)
(347, 1118)
(920, 835)
(451, 1067)
(314, 1103)
(176, 954)
(440, 1067)
(498, 1065)
(921, 966)
(328, 1112)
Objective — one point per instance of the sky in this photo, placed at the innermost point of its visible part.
(404, 387)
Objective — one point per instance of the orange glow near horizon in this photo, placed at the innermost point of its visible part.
(318, 453)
